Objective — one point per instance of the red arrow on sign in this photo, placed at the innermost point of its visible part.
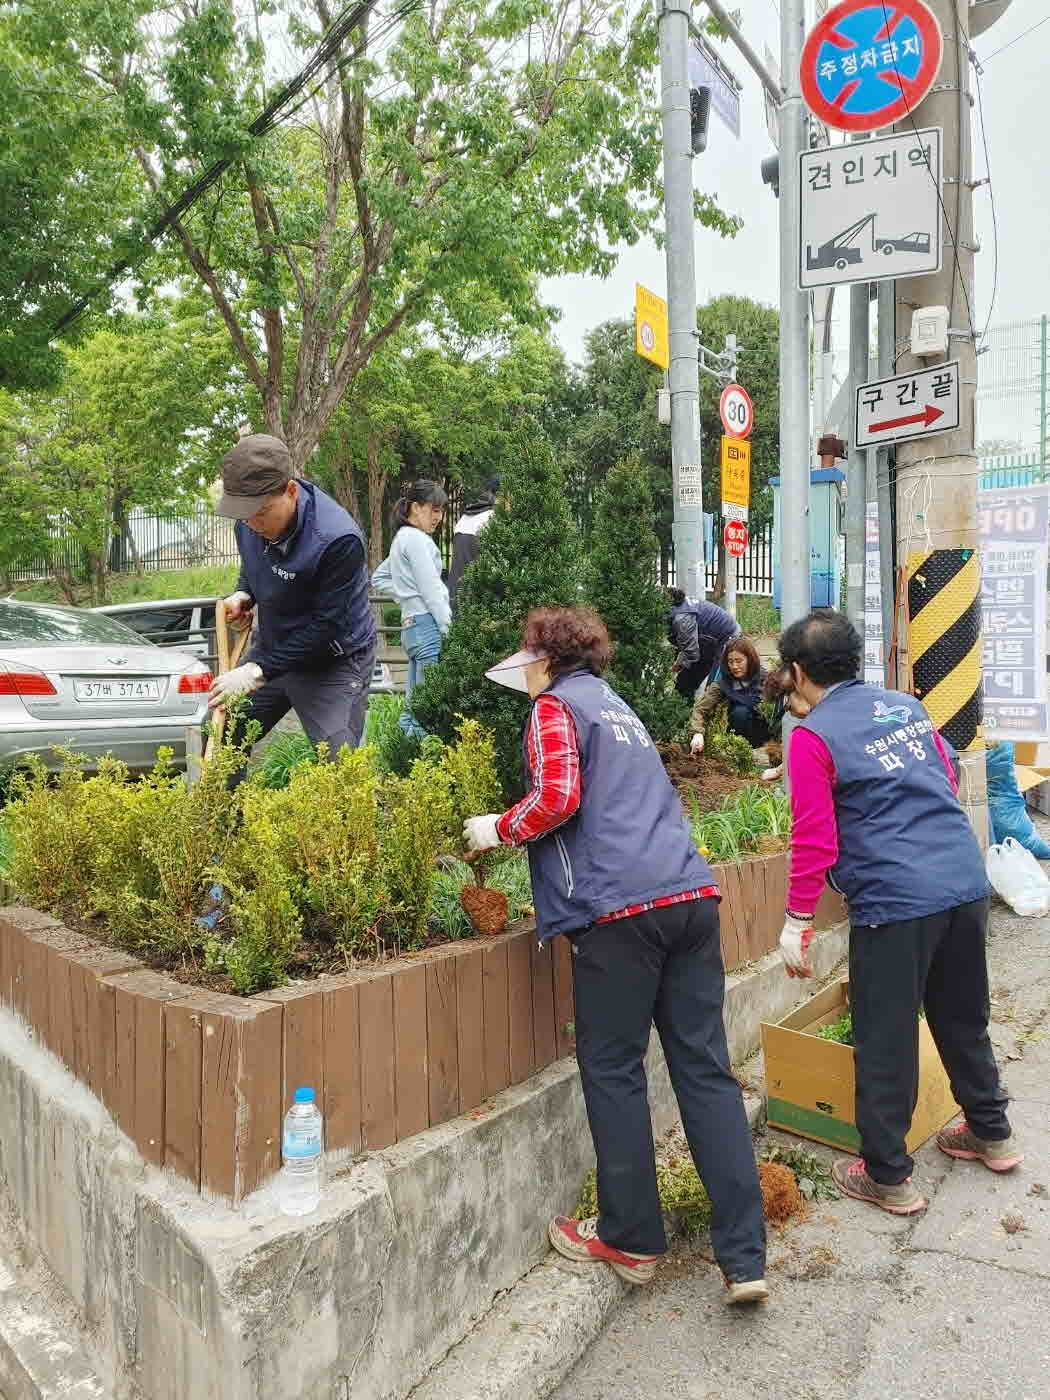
(927, 416)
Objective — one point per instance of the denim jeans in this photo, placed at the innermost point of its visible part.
(422, 641)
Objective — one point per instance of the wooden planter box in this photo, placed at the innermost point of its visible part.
(199, 1081)
(810, 1082)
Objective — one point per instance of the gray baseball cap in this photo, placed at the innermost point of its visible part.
(258, 467)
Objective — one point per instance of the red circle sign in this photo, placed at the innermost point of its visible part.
(736, 411)
(868, 63)
(735, 538)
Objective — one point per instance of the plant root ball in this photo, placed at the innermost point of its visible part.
(486, 909)
(781, 1198)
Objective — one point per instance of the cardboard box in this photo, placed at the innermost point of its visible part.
(810, 1082)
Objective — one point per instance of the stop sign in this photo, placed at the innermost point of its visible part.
(735, 538)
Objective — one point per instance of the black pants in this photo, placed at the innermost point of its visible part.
(331, 705)
(690, 678)
(664, 967)
(938, 963)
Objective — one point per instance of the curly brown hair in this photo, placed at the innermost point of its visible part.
(572, 639)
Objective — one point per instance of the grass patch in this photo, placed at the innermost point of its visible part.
(216, 581)
(757, 616)
(511, 876)
(743, 824)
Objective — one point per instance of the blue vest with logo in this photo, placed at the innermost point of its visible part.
(629, 841)
(906, 848)
(285, 584)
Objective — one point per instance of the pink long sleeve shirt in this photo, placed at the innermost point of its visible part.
(814, 830)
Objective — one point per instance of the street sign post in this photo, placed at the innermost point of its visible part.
(869, 63)
(907, 406)
(736, 411)
(871, 210)
(651, 338)
(736, 477)
(734, 537)
(707, 70)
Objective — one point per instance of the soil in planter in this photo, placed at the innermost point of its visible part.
(487, 909)
(705, 781)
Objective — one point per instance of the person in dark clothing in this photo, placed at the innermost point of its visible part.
(874, 806)
(699, 632)
(466, 539)
(740, 688)
(304, 580)
(614, 868)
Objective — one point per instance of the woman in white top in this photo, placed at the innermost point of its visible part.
(412, 574)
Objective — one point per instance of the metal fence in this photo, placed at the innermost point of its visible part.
(1013, 392)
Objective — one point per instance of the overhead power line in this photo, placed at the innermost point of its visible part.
(1010, 43)
(278, 109)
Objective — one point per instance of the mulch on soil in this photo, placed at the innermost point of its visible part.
(705, 781)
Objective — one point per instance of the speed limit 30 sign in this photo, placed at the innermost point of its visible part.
(736, 411)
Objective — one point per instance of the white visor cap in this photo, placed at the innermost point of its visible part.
(511, 672)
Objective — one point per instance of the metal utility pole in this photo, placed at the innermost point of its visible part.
(937, 476)
(887, 574)
(857, 461)
(794, 332)
(729, 601)
(682, 375)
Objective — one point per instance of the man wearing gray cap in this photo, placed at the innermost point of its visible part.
(303, 572)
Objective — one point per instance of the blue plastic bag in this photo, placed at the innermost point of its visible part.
(1006, 805)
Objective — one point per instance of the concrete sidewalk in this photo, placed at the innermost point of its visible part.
(951, 1303)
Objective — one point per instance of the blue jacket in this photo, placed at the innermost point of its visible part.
(311, 588)
(629, 841)
(906, 848)
(700, 632)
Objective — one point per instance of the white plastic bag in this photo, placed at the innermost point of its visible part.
(1017, 877)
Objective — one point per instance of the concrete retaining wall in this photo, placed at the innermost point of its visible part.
(184, 1299)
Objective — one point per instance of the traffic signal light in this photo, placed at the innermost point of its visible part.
(771, 174)
(699, 117)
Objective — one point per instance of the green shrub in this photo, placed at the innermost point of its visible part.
(620, 582)
(419, 815)
(682, 1196)
(529, 557)
(733, 749)
(396, 751)
(840, 1031)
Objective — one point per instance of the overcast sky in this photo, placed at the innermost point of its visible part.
(1016, 115)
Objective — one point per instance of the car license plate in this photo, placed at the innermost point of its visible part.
(116, 690)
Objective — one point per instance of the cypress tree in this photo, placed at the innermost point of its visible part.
(621, 584)
(530, 558)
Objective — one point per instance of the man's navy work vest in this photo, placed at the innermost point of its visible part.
(906, 848)
(288, 586)
(629, 841)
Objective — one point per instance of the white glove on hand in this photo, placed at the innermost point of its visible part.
(480, 834)
(696, 744)
(795, 939)
(241, 681)
(770, 775)
(239, 610)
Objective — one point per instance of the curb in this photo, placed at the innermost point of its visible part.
(38, 1360)
(525, 1346)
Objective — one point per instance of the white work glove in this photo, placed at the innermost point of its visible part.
(696, 744)
(770, 775)
(795, 939)
(480, 834)
(241, 681)
(239, 610)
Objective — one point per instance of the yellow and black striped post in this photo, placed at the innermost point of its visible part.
(944, 641)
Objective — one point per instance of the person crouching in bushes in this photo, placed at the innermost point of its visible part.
(615, 869)
(739, 687)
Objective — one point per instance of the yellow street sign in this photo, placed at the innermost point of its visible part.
(650, 326)
(736, 472)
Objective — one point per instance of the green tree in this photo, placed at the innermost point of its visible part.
(620, 582)
(466, 151)
(530, 558)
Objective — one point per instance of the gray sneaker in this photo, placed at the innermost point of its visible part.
(852, 1179)
(996, 1156)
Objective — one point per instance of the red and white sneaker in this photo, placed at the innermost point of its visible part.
(578, 1240)
(996, 1156)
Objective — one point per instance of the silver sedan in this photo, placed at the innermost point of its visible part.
(74, 678)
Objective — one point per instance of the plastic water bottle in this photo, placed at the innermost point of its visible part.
(299, 1190)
